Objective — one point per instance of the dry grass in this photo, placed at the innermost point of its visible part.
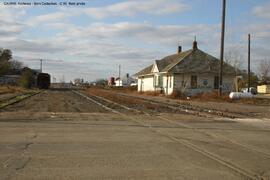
(130, 89)
(225, 98)
(255, 101)
(11, 89)
(177, 95)
(130, 102)
(202, 97)
(151, 93)
(213, 96)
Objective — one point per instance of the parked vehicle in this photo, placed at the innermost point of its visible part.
(253, 90)
(43, 81)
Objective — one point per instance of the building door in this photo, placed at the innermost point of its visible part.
(216, 82)
(193, 82)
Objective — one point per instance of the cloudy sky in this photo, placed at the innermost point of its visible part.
(91, 41)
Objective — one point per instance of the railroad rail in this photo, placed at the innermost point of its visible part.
(185, 108)
(16, 99)
(233, 167)
(244, 146)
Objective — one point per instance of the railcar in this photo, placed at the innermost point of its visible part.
(43, 81)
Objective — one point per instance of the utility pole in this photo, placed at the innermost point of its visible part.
(248, 62)
(40, 65)
(119, 74)
(222, 45)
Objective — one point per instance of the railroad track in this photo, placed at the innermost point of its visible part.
(185, 108)
(232, 166)
(17, 99)
(179, 124)
(201, 130)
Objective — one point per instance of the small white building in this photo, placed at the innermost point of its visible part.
(125, 81)
(192, 71)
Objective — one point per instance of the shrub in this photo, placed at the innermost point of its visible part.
(27, 79)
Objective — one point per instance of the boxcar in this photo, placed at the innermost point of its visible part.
(43, 80)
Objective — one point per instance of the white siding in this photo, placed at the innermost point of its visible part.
(168, 84)
(146, 84)
(182, 82)
(205, 83)
(155, 69)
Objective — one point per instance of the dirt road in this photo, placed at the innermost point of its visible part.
(59, 135)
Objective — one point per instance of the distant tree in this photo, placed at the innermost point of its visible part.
(27, 78)
(5, 57)
(16, 64)
(253, 79)
(4, 68)
(264, 71)
(101, 82)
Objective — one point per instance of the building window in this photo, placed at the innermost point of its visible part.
(193, 82)
(216, 82)
(170, 81)
(158, 81)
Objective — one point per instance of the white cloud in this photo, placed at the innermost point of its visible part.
(260, 30)
(262, 11)
(51, 17)
(8, 28)
(134, 45)
(162, 35)
(12, 13)
(131, 8)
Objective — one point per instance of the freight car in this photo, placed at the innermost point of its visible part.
(43, 81)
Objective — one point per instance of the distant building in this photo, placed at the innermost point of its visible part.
(111, 81)
(125, 81)
(15, 75)
(9, 79)
(192, 71)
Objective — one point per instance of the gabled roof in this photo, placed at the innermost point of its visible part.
(169, 61)
(164, 63)
(145, 71)
(191, 61)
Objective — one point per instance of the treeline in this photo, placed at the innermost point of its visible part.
(9, 66)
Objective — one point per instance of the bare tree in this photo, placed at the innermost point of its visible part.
(234, 58)
(264, 71)
(16, 64)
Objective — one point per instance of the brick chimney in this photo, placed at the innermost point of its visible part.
(179, 49)
(195, 45)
